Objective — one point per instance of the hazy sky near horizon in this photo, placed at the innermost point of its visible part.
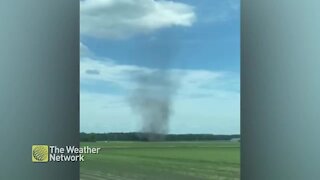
(202, 40)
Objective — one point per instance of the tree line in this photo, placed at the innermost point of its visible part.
(137, 136)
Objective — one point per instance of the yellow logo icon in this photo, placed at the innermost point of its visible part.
(40, 153)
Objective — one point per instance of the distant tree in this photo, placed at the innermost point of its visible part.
(87, 137)
(136, 136)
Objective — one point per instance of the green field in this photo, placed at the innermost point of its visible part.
(162, 161)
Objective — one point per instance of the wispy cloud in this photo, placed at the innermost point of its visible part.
(84, 50)
(221, 11)
(193, 83)
(124, 18)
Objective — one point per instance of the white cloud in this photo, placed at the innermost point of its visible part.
(125, 18)
(207, 101)
(109, 72)
(84, 50)
(191, 82)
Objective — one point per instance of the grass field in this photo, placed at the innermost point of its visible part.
(162, 161)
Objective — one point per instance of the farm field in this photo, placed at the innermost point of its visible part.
(204, 160)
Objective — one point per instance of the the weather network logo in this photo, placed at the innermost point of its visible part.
(40, 153)
(51, 153)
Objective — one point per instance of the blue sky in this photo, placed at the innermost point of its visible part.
(202, 41)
